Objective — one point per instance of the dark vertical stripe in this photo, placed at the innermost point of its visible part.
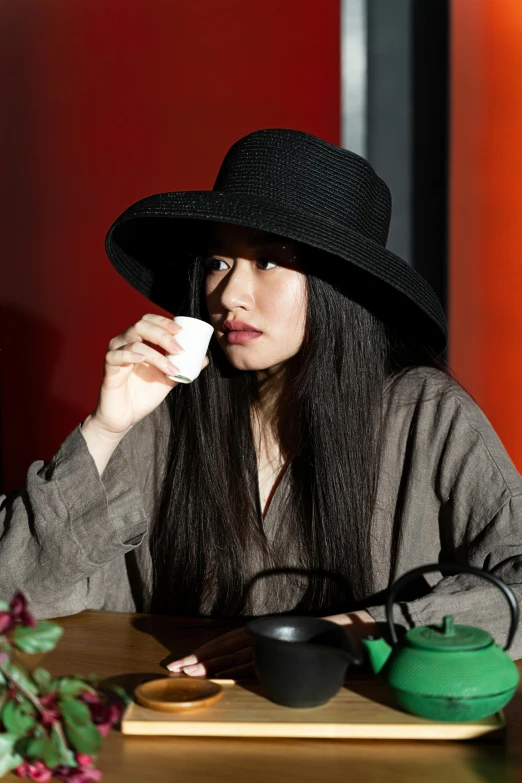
(430, 97)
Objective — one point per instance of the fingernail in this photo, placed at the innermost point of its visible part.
(171, 369)
(197, 668)
(175, 347)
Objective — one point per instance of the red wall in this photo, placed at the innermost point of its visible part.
(486, 210)
(108, 101)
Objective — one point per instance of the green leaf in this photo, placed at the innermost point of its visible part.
(23, 700)
(93, 679)
(66, 756)
(84, 739)
(9, 761)
(75, 712)
(39, 732)
(43, 680)
(4, 606)
(17, 718)
(73, 687)
(9, 758)
(7, 742)
(43, 749)
(19, 676)
(43, 638)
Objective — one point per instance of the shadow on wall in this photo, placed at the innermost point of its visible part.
(33, 420)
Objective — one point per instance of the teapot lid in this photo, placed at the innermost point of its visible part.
(449, 637)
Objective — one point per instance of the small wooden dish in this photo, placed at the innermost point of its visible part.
(172, 694)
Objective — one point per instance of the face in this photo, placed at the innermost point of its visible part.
(254, 278)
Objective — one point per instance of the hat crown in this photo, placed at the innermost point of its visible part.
(305, 173)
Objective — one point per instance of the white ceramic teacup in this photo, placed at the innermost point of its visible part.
(194, 337)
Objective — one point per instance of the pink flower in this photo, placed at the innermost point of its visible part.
(34, 771)
(18, 604)
(77, 774)
(6, 622)
(19, 610)
(84, 760)
(49, 699)
(28, 619)
(104, 728)
(104, 716)
(90, 698)
(83, 773)
(48, 717)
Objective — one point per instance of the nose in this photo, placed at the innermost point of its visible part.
(237, 288)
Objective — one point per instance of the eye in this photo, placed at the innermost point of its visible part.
(210, 264)
(267, 261)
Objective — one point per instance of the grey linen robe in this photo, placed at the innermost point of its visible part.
(448, 492)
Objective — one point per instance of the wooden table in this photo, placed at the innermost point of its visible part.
(124, 646)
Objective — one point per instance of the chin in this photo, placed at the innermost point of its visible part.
(252, 366)
(241, 361)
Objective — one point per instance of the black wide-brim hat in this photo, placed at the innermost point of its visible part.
(296, 186)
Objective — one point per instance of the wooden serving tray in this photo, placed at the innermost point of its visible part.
(358, 711)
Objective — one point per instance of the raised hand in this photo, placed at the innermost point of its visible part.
(135, 378)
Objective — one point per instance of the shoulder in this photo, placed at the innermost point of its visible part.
(453, 430)
(435, 394)
(421, 385)
(424, 397)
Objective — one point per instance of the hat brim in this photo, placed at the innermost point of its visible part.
(150, 242)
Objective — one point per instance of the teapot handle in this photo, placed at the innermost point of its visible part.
(450, 569)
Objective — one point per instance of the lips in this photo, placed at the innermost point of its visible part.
(241, 336)
(239, 326)
(239, 332)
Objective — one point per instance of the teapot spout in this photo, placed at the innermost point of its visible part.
(378, 651)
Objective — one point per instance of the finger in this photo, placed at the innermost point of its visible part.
(210, 667)
(245, 672)
(124, 356)
(206, 654)
(164, 328)
(167, 323)
(236, 639)
(113, 364)
(153, 333)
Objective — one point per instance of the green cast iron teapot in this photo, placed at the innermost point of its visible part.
(449, 673)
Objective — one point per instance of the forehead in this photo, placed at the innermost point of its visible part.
(224, 234)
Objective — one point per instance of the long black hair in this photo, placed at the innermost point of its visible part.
(209, 528)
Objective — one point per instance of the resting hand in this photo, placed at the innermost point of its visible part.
(230, 655)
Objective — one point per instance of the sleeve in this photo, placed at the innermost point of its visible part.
(478, 492)
(470, 600)
(59, 534)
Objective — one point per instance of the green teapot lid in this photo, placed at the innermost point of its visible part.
(449, 637)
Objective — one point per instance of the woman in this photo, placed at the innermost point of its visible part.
(308, 466)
